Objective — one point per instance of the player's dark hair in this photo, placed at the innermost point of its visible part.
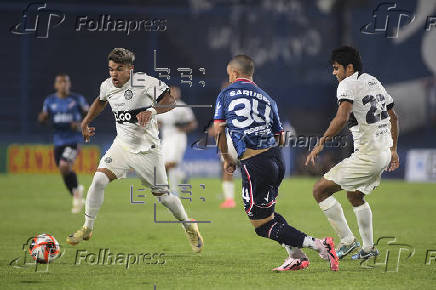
(62, 74)
(346, 55)
(121, 56)
(243, 63)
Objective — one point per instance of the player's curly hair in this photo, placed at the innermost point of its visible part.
(346, 55)
(122, 56)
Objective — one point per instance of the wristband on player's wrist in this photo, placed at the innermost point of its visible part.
(152, 110)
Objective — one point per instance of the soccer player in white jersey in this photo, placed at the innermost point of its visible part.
(136, 145)
(368, 109)
(174, 125)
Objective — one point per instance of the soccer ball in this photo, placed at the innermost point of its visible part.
(44, 248)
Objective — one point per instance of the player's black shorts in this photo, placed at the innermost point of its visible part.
(65, 152)
(261, 177)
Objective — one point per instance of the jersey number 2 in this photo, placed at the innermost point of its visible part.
(372, 116)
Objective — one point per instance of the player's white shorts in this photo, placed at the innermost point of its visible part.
(230, 149)
(149, 166)
(174, 147)
(360, 171)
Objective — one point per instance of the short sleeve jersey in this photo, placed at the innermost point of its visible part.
(369, 122)
(62, 112)
(138, 94)
(251, 116)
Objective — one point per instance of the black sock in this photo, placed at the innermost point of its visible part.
(278, 230)
(70, 180)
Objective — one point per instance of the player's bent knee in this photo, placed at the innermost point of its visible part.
(356, 198)
(64, 167)
(263, 230)
(170, 165)
(100, 180)
(317, 191)
(159, 191)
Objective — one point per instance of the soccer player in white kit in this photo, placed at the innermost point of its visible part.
(136, 145)
(174, 125)
(368, 109)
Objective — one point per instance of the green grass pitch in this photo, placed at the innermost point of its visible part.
(233, 257)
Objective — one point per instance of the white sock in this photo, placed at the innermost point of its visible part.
(335, 215)
(309, 242)
(228, 189)
(294, 252)
(173, 180)
(364, 220)
(94, 198)
(175, 206)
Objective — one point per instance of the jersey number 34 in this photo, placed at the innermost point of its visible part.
(250, 112)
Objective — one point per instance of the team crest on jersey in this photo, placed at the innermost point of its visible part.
(108, 160)
(128, 94)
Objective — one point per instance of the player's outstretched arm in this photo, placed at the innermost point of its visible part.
(96, 108)
(395, 160)
(336, 125)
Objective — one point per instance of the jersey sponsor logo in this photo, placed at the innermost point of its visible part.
(123, 116)
(128, 94)
(63, 118)
(259, 130)
(128, 116)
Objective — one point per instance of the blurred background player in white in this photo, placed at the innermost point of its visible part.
(368, 109)
(174, 125)
(136, 145)
(228, 187)
(65, 110)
